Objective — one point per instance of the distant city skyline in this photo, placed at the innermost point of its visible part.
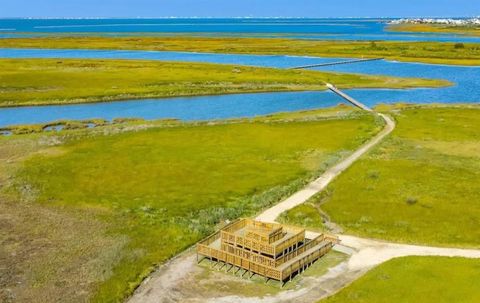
(243, 8)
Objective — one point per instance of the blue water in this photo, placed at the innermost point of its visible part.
(322, 29)
(268, 61)
(185, 108)
(466, 88)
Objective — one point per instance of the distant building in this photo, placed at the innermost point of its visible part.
(271, 250)
(451, 22)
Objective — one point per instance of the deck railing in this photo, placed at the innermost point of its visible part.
(250, 255)
(300, 250)
(289, 242)
(215, 236)
(239, 261)
(289, 270)
(280, 274)
(260, 257)
(247, 243)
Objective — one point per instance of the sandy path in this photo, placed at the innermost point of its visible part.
(165, 285)
(370, 253)
(313, 188)
(172, 282)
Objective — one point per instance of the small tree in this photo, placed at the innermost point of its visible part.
(412, 201)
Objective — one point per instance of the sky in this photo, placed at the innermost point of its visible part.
(238, 8)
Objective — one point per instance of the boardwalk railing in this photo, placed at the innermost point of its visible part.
(336, 63)
(348, 98)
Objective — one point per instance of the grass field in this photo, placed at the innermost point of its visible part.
(419, 186)
(436, 28)
(115, 201)
(425, 52)
(52, 81)
(306, 215)
(416, 279)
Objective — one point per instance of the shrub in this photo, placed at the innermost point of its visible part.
(373, 174)
(411, 201)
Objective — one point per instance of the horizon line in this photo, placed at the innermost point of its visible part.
(230, 17)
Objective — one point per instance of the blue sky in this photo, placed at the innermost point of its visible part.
(238, 8)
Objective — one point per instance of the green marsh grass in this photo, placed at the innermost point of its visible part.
(161, 189)
(416, 279)
(63, 81)
(419, 186)
(425, 52)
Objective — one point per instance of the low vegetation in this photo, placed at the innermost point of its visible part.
(468, 30)
(426, 52)
(52, 81)
(124, 198)
(416, 279)
(306, 215)
(54, 126)
(419, 186)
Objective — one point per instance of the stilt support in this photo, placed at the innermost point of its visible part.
(223, 265)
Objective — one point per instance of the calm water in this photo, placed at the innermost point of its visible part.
(466, 89)
(188, 108)
(331, 29)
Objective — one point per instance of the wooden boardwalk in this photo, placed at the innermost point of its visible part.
(348, 98)
(336, 63)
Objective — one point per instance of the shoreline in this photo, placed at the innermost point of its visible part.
(90, 123)
(326, 56)
(167, 98)
(390, 50)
